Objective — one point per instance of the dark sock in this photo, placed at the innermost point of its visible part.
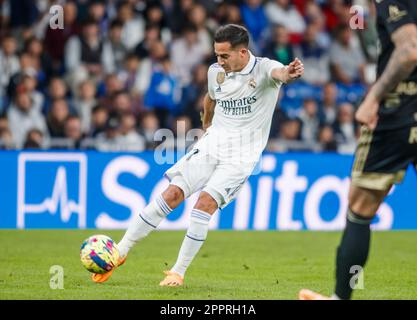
(353, 250)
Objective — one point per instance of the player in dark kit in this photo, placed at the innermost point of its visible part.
(388, 141)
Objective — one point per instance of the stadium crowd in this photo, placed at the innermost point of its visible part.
(120, 70)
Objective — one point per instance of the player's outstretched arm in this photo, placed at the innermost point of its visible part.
(402, 63)
(289, 73)
(208, 113)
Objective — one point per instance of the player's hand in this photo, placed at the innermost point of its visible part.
(295, 69)
(367, 113)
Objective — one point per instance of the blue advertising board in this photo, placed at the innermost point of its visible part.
(293, 191)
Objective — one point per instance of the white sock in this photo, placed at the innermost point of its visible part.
(147, 221)
(193, 240)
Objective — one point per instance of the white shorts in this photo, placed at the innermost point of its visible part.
(200, 170)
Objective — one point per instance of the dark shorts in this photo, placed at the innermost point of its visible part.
(382, 157)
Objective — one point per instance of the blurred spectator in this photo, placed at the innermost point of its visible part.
(289, 138)
(279, 48)
(315, 58)
(314, 16)
(56, 39)
(180, 11)
(133, 25)
(310, 121)
(34, 140)
(149, 125)
(136, 75)
(155, 16)
(108, 140)
(114, 51)
(6, 139)
(198, 17)
(23, 117)
(97, 12)
(130, 139)
(191, 94)
(56, 118)
(9, 62)
(73, 131)
(112, 85)
(164, 93)
(84, 103)
(345, 129)
(346, 58)
(186, 52)
(122, 103)
(23, 13)
(326, 139)
(57, 89)
(85, 52)
(99, 117)
(35, 48)
(255, 20)
(329, 103)
(152, 35)
(282, 12)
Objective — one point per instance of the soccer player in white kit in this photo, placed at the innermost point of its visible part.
(238, 109)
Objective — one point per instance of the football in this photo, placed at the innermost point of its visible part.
(99, 254)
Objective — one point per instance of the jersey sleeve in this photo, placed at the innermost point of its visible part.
(267, 65)
(393, 14)
(211, 79)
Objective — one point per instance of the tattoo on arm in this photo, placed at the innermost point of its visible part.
(402, 61)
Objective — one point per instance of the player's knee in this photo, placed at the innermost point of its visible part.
(173, 196)
(206, 203)
(365, 202)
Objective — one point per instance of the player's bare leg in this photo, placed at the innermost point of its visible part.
(147, 221)
(193, 240)
(354, 246)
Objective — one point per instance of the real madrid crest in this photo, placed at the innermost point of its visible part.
(220, 77)
(252, 83)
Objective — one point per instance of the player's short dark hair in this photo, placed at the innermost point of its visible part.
(235, 34)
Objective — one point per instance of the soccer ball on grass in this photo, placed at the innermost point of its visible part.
(99, 254)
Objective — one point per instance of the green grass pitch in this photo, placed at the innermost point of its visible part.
(231, 265)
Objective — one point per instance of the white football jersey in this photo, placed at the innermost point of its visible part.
(245, 103)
